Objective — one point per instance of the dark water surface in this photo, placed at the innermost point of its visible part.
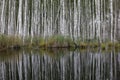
(59, 65)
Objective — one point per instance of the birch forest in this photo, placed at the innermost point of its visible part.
(78, 19)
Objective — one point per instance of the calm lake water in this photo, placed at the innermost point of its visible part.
(59, 65)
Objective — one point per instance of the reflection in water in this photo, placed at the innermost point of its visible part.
(74, 65)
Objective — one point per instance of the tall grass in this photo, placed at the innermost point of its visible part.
(8, 41)
(57, 41)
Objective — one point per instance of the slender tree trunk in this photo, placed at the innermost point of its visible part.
(111, 15)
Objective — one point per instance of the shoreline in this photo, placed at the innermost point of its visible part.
(82, 47)
(57, 41)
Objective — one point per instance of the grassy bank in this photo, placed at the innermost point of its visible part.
(57, 41)
(9, 41)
